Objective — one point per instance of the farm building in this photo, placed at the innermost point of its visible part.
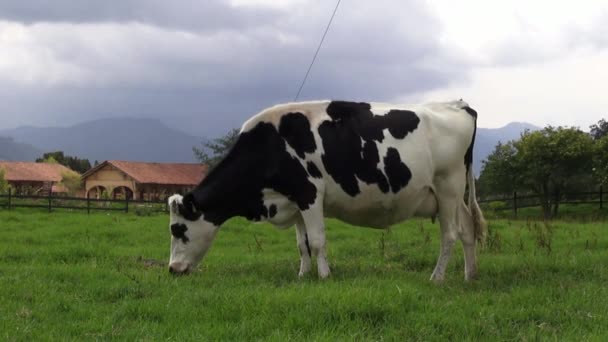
(35, 178)
(139, 180)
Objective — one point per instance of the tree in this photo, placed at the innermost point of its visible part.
(500, 173)
(545, 162)
(72, 181)
(599, 130)
(74, 163)
(551, 159)
(3, 182)
(600, 160)
(48, 160)
(214, 151)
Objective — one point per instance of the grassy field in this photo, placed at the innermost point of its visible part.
(69, 276)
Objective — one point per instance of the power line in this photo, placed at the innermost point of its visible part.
(317, 52)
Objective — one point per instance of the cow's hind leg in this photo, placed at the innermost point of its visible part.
(315, 229)
(304, 248)
(449, 197)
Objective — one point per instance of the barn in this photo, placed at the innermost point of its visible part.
(141, 180)
(35, 178)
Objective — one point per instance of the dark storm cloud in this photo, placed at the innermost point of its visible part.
(231, 64)
(184, 14)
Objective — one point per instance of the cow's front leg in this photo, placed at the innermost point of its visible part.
(315, 229)
(304, 248)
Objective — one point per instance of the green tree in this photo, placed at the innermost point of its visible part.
(3, 182)
(49, 160)
(600, 160)
(500, 173)
(551, 159)
(74, 163)
(72, 181)
(599, 130)
(545, 162)
(212, 152)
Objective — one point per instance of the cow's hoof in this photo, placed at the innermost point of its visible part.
(304, 269)
(471, 276)
(437, 279)
(324, 275)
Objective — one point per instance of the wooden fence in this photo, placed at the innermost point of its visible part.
(518, 201)
(50, 203)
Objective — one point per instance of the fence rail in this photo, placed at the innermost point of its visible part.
(50, 202)
(517, 201)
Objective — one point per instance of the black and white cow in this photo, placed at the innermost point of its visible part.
(369, 164)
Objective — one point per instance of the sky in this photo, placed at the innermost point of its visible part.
(205, 66)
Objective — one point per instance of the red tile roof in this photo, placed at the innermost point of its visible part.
(33, 172)
(157, 173)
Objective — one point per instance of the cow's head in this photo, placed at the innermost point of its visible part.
(191, 235)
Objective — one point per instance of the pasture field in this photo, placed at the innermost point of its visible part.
(69, 276)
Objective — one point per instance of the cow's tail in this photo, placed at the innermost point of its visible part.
(479, 222)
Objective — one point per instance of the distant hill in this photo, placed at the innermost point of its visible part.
(488, 138)
(119, 139)
(11, 150)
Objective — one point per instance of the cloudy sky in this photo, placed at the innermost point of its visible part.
(205, 66)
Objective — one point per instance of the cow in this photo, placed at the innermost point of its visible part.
(367, 164)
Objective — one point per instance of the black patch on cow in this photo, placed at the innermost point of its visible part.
(401, 122)
(295, 129)
(368, 170)
(307, 244)
(272, 211)
(264, 212)
(398, 173)
(349, 141)
(178, 230)
(313, 170)
(471, 111)
(258, 160)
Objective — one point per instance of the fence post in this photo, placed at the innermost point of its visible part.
(50, 199)
(9, 198)
(126, 203)
(515, 203)
(88, 204)
(601, 196)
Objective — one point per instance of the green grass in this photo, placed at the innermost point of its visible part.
(69, 276)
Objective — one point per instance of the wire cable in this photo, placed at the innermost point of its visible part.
(314, 58)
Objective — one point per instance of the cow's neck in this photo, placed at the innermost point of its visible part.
(234, 187)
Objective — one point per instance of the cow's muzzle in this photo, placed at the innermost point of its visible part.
(179, 268)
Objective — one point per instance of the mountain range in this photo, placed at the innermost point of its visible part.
(106, 139)
(151, 140)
